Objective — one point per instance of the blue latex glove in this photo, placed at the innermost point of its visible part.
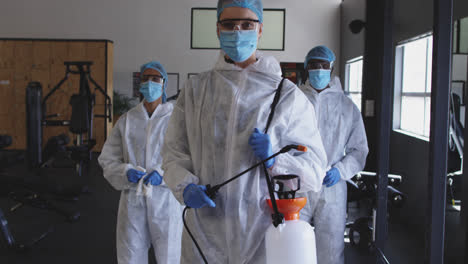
(154, 178)
(134, 175)
(261, 146)
(195, 196)
(332, 177)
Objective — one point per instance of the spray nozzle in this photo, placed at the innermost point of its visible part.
(296, 147)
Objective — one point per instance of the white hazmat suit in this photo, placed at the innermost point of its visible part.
(137, 140)
(344, 138)
(207, 143)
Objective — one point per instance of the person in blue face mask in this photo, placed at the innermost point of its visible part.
(217, 130)
(153, 83)
(239, 27)
(344, 139)
(319, 65)
(131, 160)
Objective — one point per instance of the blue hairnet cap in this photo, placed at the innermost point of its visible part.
(255, 5)
(320, 53)
(157, 66)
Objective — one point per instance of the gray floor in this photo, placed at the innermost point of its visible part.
(92, 238)
(396, 250)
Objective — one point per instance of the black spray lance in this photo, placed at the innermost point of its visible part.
(277, 217)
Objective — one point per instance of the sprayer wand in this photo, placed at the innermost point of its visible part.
(211, 191)
(277, 217)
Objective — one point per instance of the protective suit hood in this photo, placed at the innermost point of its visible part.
(265, 64)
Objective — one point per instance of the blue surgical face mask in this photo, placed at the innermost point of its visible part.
(239, 45)
(151, 90)
(319, 79)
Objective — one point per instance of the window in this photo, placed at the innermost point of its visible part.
(460, 36)
(353, 83)
(413, 71)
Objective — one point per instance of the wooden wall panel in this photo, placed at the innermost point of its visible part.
(40, 70)
(8, 125)
(23, 54)
(6, 90)
(23, 65)
(110, 82)
(7, 105)
(96, 52)
(20, 126)
(7, 56)
(41, 55)
(76, 50)
(22, 61)
(7, 86)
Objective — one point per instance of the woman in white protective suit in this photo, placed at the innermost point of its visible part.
(131, 160)
(216, 131)
(344, 138)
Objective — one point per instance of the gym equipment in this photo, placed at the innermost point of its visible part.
(456, 144)
(81, 122)
(21, 191)
(364, 187)
(10, 239)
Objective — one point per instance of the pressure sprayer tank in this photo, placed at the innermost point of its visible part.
(292, 241)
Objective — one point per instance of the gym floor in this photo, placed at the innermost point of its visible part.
(92, 238)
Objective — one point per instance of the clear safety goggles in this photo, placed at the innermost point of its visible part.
(315, 65)
(153, 78)
(238, 24)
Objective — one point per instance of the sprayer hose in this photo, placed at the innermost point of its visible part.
(193, 238)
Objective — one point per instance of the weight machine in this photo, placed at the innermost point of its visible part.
(82, 116)
(364, 188)
(55, 171)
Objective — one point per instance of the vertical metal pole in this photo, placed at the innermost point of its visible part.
(464, 199)
(378, 85)
(441, 79)
(384, 106)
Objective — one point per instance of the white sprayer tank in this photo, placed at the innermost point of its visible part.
(294, 240)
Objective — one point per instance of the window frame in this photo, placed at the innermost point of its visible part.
(457, 36)
(399, 94)
(347, 78)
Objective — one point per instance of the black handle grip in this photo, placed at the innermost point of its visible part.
(212, 191)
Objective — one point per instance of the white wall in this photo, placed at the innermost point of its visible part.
(460, 67)
(352, 45)
(155, 29)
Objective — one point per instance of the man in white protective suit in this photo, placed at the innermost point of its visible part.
(217, 130)
(344, 138)
(131, 160)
